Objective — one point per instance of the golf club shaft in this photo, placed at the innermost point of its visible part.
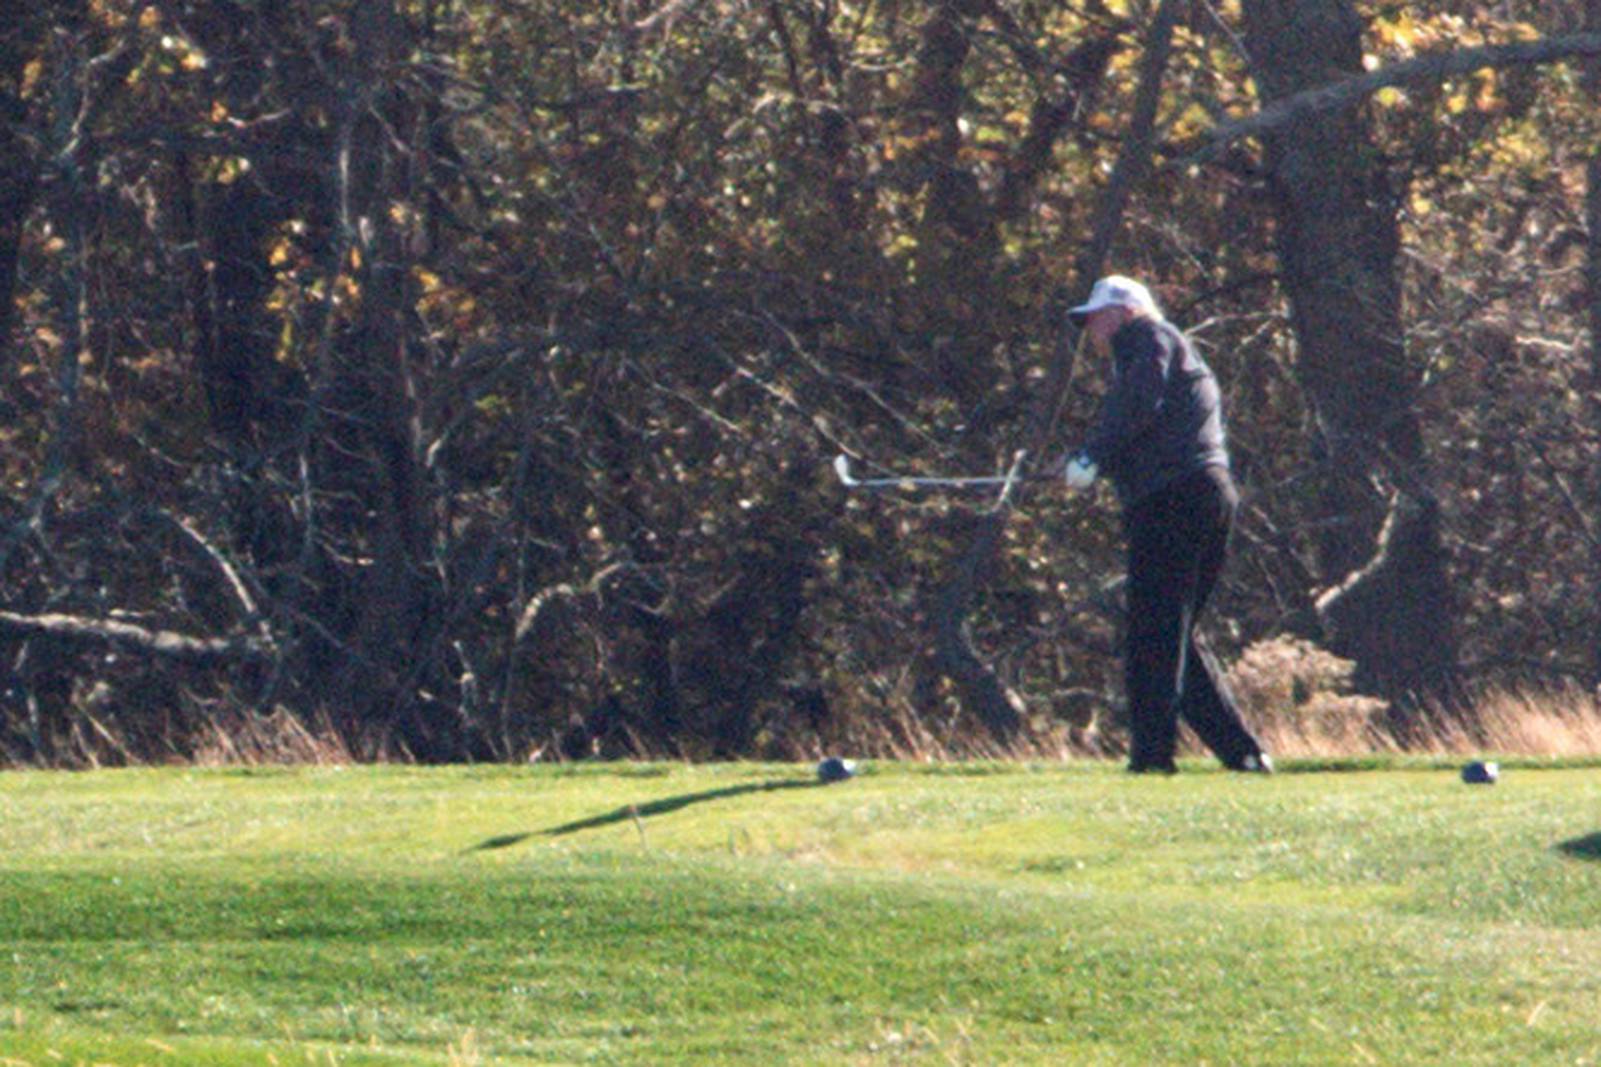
(949, 483)
(842, 468)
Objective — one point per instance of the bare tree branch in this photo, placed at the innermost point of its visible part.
(663, 16)
(1431, 67)
(241, 593)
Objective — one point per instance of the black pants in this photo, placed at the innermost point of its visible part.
(1177, 540)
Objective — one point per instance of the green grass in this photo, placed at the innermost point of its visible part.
(735, 914)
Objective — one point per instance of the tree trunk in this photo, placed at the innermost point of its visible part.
(399, 589)
(17, 185)
(957, 240)
(1084, 71)
(18, 167)
(980, 689)
(1592, 276)
(1338, 240)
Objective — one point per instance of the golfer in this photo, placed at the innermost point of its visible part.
(1160, 440)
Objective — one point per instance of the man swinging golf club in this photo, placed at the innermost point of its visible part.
(1160, 439)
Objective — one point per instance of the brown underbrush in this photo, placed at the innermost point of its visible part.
(1297, 698)
(1302, 703)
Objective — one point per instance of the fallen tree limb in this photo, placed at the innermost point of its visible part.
(74, 629)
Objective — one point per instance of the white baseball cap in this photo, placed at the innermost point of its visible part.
(1114, 290)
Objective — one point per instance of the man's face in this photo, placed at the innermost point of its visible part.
(1102, 324)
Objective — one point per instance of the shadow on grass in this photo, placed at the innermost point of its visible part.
(1587, 847)
(651, 808)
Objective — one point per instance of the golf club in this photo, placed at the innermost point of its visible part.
(842, 467)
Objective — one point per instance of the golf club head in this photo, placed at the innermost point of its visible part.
(842, 467)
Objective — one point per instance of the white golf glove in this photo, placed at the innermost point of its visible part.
(1080, 471)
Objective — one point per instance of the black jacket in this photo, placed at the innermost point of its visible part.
(1163, 417)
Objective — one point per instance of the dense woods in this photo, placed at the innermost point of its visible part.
(460, 379)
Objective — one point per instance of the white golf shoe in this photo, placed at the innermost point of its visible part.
(1260, 763)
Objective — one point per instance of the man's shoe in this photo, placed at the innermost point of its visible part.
(1256, 763)
(1152, 767)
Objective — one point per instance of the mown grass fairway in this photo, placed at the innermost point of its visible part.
(986, 914)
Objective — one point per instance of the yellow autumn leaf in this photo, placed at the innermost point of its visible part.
(232, 169)
(1191, 122)
(1403, 33)
(1486, 83)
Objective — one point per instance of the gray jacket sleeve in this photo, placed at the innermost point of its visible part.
(1141, 365)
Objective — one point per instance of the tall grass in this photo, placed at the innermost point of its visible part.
(1297, 699)
(1301, 702)
(1561, 725)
